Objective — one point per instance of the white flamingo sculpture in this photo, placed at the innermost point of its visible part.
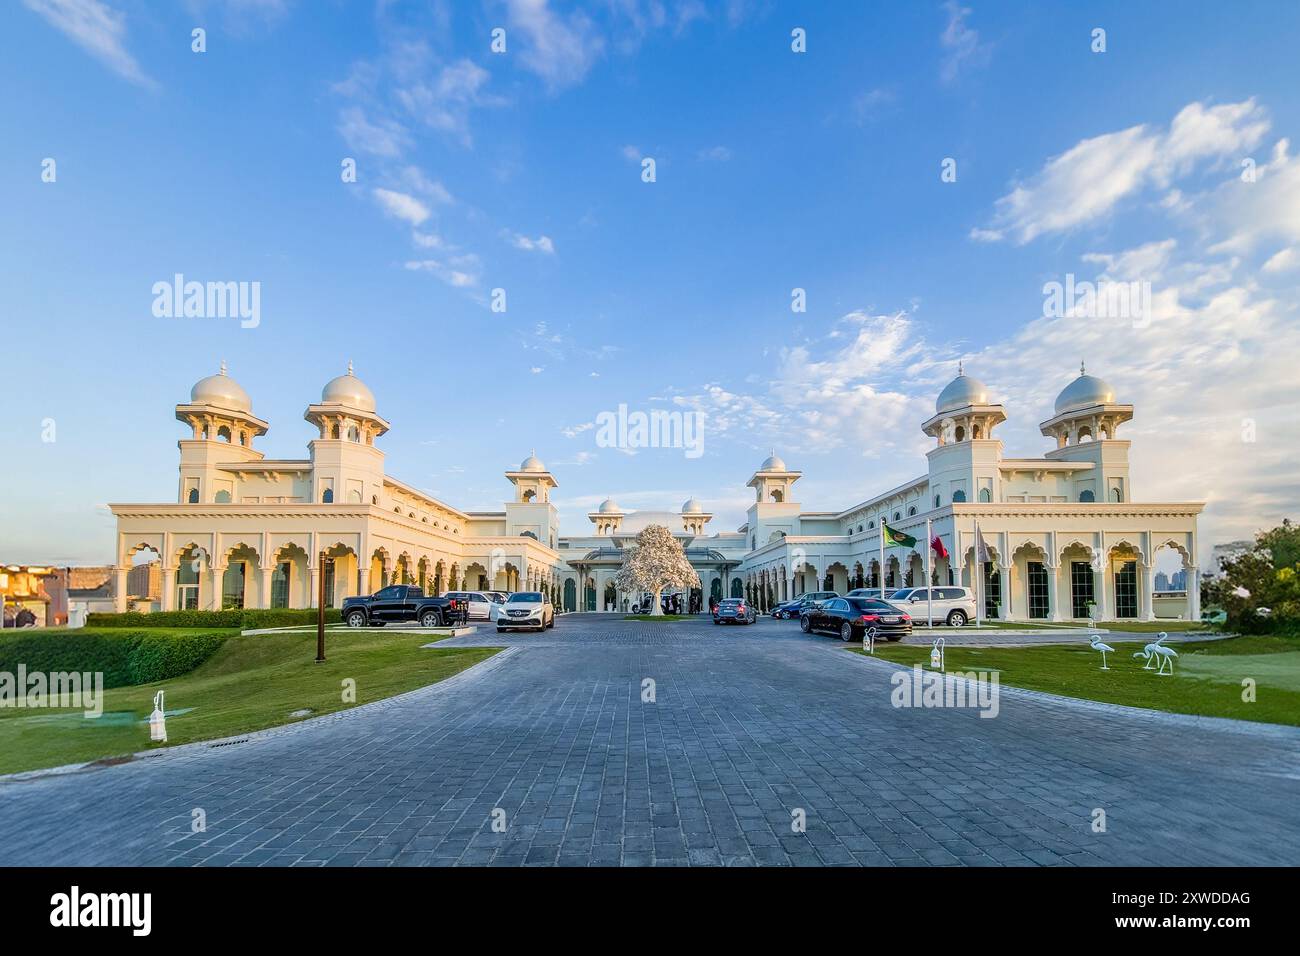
(1105, 649)
(1166, 655)
(1150, 652)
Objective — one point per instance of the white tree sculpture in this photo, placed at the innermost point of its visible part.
(655, 563)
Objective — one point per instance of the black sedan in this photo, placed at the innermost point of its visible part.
(787, 609)
(734, 611)
(850, 618)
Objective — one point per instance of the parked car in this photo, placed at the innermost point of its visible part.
(787, 609)
(951, 605)
(397, 602)
(530, 609)
(481, 605)
(851, 617)
(734, 611)
(872, 593)
(817, 597)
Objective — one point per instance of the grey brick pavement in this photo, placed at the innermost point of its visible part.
(749, 724)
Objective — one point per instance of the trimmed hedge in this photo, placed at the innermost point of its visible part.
(124, 657)
(246, 619)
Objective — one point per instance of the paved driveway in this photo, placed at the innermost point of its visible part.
(749, 727)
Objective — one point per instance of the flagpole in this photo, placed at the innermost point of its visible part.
(882, 559)
(929, 582)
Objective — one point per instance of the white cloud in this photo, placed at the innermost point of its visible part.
(1282, 261)
(542, 244)
(402, 206)
(382, 137)
(97, 28)
(460, 272)
(556, 47)
(961, 43)
(716, 154)
(1085, 183)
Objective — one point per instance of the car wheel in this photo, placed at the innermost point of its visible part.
(552, 624)
(430, 619)
(846, 632)
(357, 619)
(805, 625)
(956, 618)
(500, 629)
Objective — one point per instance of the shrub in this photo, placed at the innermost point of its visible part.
(246, 619)
(163, 656)
(124, 656)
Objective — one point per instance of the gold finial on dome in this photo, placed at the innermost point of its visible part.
(349, 366)
(223, 367)
(960, 367)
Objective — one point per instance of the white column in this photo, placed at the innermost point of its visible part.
(264, 592)
(1148, 611)
(119, 589)
(168, 589)
(214, 588)
(313, 599)
(1193, 593)
(1053, 590)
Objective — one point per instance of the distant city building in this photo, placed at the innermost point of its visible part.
(1226, 552)
(1162, 581)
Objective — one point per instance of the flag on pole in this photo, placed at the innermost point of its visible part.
(936, 545)
(981, 558)
(929, 577)
(898, 538)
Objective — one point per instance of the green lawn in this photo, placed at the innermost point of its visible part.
(1207, 678)
(1136, 627)
(250, 683)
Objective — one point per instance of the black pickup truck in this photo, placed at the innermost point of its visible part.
(400, 602)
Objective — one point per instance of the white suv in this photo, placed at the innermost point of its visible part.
(950, 605)
(530, 609)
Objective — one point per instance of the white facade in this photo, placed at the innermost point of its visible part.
(1062, 531)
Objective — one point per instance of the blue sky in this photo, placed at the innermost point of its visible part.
(775, 170)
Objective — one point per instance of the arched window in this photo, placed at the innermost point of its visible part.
(222, 497)
(243, 438)
(1087, 495)
(193, 497)
(335, 433)
(354, 434)
(960, 496)
(911, 511)
(976, 432)
(1116, 494)
(961, 433)
(223, 434)
(777, 496)
(986, 495)
(327, 496)
(871, 523)
(859, 529)
(355, 497)
(898, 515)
(936, 500)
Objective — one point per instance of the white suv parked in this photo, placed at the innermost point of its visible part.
(952, 606)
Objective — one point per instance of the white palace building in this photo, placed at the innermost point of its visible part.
(1062, 531)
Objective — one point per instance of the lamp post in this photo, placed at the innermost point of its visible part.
(320, 611)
